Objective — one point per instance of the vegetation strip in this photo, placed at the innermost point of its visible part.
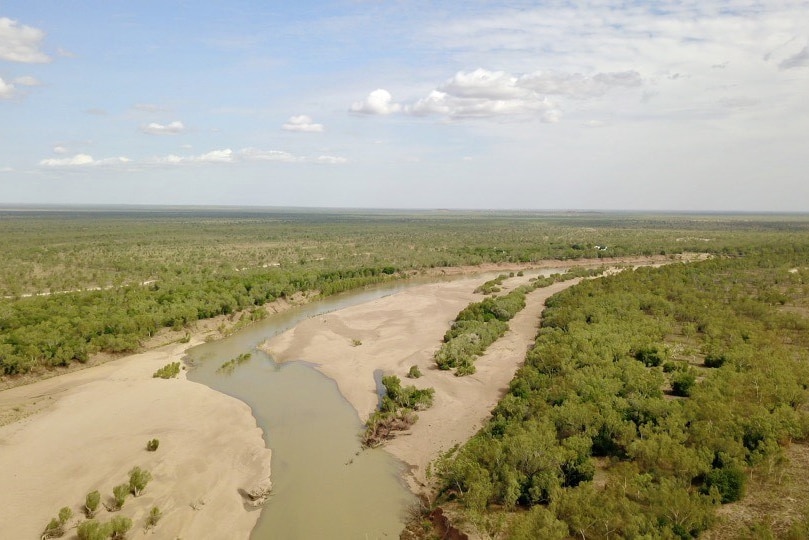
(482, 323)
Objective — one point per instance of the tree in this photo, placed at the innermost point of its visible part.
(138, 478)
(152, 445)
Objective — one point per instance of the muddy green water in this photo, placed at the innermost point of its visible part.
(323, 485)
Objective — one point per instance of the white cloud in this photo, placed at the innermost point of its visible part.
(59, 149)
(27, 80)
(488, 94)
(302, 124)
(332, 160)
(6, 169)
(378, 102)
(153, 128)
(83, 160)
(20, 43)
(577, 85)
(267, 155)
(7, 90)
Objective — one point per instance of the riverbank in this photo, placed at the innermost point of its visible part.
(93, 428)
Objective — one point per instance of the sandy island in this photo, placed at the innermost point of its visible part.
(94, 430)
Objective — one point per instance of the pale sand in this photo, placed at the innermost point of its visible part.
(406, 329)
(94, 430)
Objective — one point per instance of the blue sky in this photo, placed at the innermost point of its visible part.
(676, 105)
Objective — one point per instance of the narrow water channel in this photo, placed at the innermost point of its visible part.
(324, 486)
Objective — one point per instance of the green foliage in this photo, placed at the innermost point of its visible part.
(396, 412)
(152, 444)
(682, 383)
(119, 526)
(591, 387)
(715, 360)
(728, 481)
(138, 478)
(91, 502)
(108, 280)
(93, 530)
(56, 527)
(119, 494)
(154, 516)
(414, 372)
(233, 363)
(169, 371)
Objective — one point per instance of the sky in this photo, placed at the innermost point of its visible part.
(693, 105)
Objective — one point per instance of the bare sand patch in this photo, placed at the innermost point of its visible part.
(94, 430)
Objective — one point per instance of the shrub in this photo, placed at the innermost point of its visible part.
(152, 445)
(168, 371)
(729, 481)
(154, 516)
(682, 383)
(414, 372)
(91, 502)
(93, 530)
(138, 478)
(119, 493)
(650, 356)
(119, 526)
(715, 360)
(56, 527)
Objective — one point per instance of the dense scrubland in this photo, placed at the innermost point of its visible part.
(82, 281)
(650, 399)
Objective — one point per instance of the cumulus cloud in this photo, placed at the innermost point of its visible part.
(83, 160)
(20, 43)
(378, 102)
(153, 128)
(7, 90)
(59, 149)
(303, 124)
(484, 94)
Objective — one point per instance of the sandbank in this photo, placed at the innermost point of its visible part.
(93, 429)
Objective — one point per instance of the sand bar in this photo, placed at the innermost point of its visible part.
(93, 429)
